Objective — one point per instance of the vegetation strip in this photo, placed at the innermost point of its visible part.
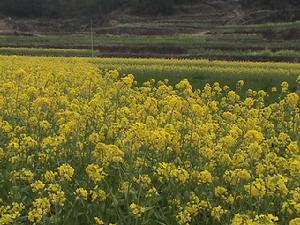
(213, 54)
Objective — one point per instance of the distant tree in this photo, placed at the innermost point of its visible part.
(270, 4)
(152, 6)
(62, 8)
(23, 8)
(66, 8)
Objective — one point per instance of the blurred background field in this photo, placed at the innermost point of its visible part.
(230, 30)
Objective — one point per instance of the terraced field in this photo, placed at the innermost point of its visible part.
(213, 29)
(252, 47)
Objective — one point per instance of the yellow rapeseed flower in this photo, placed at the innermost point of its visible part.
(95, 172)
(66, 171)
(137, 210)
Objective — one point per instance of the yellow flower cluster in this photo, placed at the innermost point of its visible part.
(95, 172)
(84, 146)
(81, 193)
(169, 170)
(11, 213)
(66, 172)
(41, 208)
(261, 219)
(137, 210)
(193, 208)
(107, 153)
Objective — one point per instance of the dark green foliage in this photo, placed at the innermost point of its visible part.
(23, 8)
(58, 8)
(271, 4)
(65, 8)
(152, 6)
(54, 8)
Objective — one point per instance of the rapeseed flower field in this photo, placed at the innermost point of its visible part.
(84, 146)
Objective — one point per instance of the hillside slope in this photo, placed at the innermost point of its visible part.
(195, 17)
(215, 29)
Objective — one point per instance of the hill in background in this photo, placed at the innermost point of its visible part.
(156, 16)
(258, 30)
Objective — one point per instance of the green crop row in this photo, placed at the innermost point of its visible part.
(250, 41)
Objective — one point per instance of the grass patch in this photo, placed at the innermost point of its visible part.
(287, 25)
(263, 53)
